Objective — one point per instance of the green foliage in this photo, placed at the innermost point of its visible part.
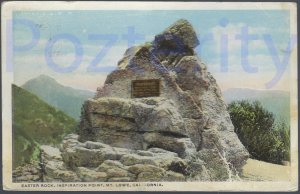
(23, 147)
(277, 102)
(35, 123)
(264, 138)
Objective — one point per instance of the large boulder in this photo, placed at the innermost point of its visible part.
(181, 33)
(184, 134)
(194, 98)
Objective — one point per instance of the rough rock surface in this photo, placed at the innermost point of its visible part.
(185, 134)
(27, 173)
(191, 92)
(96, 162)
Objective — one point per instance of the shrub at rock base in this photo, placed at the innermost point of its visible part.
(256, 128)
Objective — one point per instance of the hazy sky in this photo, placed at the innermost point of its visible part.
(219, 32)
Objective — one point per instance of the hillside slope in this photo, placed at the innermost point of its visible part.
(67, 99)
(35, 122)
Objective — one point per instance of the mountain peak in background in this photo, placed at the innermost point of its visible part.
(65, 98)
(45, 77)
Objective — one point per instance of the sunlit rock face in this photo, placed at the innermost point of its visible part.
(189, 95)
(184, 134)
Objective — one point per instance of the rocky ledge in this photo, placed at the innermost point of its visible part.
(94, 161)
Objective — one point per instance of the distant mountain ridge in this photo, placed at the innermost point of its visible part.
(65, 98)
(275, 101)
(34, 123)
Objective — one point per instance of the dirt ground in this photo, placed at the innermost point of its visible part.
(262, 171)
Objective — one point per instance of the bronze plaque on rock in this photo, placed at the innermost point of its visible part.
(145, 88)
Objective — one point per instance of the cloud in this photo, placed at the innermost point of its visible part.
(32, 63)
(84, 81)
(255, 81)
(29, 65)
(258, 54)
(232, 31)
(112, 56)
(110, 59)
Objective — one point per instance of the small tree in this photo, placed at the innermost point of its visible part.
(256, 129)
